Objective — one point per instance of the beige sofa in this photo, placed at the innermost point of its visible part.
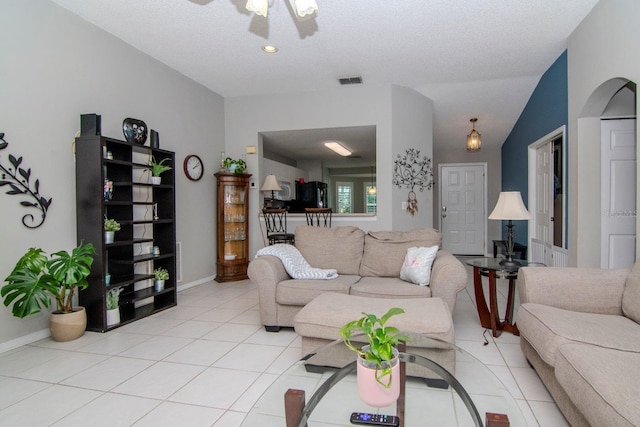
(368, 265)
(579, 330)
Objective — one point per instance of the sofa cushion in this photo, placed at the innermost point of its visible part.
(338, 247)
(384, 251)
(631, 295)
(417, 265)
(602, 383)
(388, 287)
(547, 328)
(301, 292)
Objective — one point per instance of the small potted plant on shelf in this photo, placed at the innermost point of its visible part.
(157, 168)
(235, 166)
(113, 306)
(378, 362)
(110, 228)
(37, 277)
(160, 275)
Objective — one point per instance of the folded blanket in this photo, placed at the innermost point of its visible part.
(295, 264)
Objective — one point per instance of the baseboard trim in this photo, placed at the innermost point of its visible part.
(24, 340)
(195, 283)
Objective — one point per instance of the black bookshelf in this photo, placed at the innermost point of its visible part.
(127, 259)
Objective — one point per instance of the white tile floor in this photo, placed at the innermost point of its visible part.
(196, 365)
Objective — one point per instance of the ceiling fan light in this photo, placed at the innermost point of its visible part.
(259, 7)
(305, 7)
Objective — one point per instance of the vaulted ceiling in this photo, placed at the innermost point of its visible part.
(473, 58)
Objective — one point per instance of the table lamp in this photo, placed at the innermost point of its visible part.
(271, 184)
(510, 207)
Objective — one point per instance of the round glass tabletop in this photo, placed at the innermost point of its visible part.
(445, 385)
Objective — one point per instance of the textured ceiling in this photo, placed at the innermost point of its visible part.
(473, 58)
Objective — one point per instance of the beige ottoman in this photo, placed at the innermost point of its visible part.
(319, 321)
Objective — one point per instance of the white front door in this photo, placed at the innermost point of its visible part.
(463, 216)
(618, 193)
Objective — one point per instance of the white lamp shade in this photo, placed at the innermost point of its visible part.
(270, 184)
(510, 206)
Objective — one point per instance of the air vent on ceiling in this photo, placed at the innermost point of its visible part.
(350, 80)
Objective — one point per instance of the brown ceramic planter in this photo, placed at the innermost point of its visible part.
(68, 326)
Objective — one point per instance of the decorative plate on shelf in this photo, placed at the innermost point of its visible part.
(134, 130)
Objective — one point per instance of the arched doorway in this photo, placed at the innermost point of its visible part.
(607, 139)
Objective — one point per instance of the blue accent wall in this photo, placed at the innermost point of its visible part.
(546, 111)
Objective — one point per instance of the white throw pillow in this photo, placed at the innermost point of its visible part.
(417, 265)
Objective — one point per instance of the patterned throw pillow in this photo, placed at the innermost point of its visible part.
(417, 265)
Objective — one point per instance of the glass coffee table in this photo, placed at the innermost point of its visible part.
(466, 394)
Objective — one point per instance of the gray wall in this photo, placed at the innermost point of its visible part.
(403, 119)
(55, 67)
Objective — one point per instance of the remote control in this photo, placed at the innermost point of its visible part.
(374, 419)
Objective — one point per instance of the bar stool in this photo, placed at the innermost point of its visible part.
(275, 221)
(318, 216)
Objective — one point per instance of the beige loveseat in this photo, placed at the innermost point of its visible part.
(368, 265)
(579, 330)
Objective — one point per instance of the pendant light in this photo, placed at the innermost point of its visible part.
(473, 139)
(372, 190)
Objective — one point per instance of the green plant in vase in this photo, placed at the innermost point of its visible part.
(113, 298)
(111, 225)
(113, 306)
(110, 228)
(36, 277)
(382, 340)
(156, 168)
(161, 273)
(235, 166)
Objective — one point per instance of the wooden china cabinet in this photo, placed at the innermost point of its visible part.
(232, 226)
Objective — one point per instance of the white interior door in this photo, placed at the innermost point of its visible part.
(463, 215)
(544, 207)
(618, 193)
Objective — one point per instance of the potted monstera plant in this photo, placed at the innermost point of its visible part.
(37, 278)
(378, 364)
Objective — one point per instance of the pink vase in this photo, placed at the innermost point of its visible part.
(370, 390)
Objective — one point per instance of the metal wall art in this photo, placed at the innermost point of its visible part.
(412, 171)
(19, 181)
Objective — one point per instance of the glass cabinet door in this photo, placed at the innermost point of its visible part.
(232, 255)
(235, 237)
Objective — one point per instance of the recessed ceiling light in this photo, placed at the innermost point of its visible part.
(270, 49)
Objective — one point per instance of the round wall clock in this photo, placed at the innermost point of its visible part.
(193, 167)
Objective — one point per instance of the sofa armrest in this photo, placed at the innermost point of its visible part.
(590, 290)
(448, 277)
(266, 272)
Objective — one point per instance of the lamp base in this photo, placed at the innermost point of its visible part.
(510, 263)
